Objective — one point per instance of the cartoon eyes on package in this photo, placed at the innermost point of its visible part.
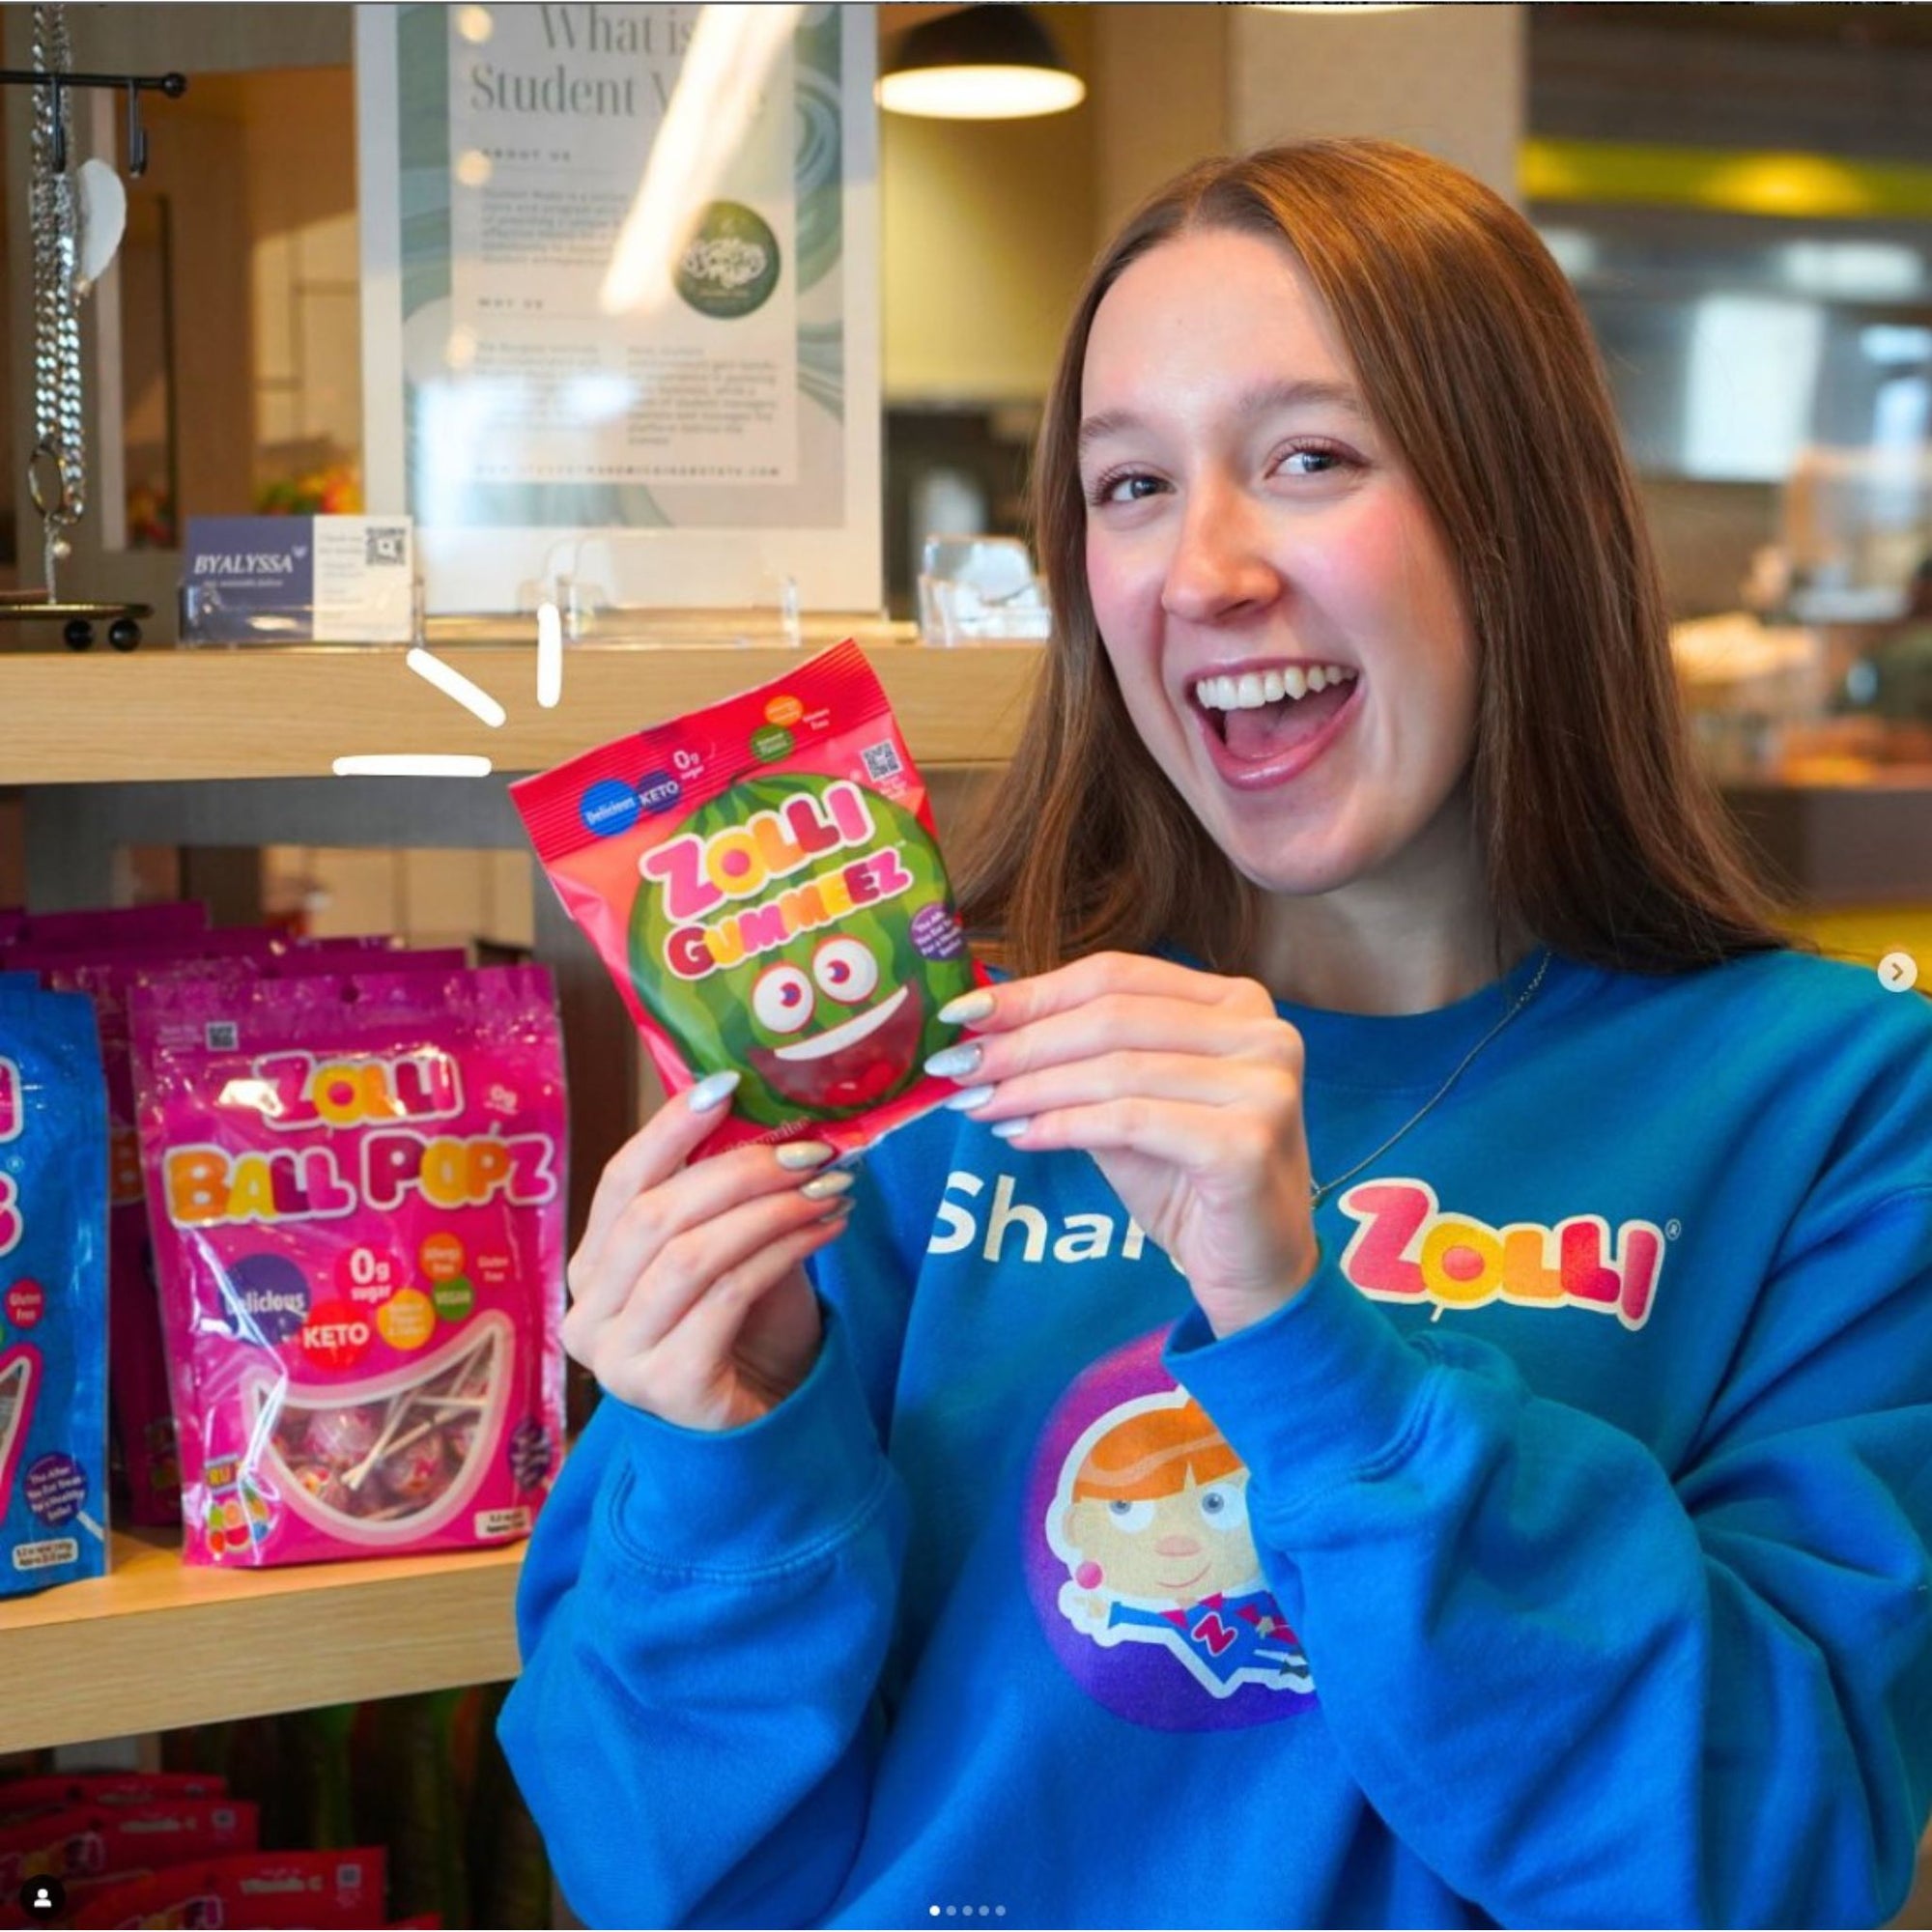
(762, 880)
(53, 1291)
(355, 1183)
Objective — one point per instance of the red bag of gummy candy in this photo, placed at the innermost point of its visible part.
(762, 879)
(96, 1840)
(355, 1184)
(259, 1889)
(25, 1798)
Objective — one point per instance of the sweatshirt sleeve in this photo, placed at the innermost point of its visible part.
(1584, 1689)
(702, 1619)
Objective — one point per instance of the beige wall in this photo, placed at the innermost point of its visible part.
(986, 229)
(445, 897)
(1163, 99)
(1451, 79)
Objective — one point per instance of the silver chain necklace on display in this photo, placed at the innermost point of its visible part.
(1317, 1190)
(54, 220)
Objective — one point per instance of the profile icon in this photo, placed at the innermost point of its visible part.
(43, 1897)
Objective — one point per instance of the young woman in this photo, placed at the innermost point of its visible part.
(1400, 1391)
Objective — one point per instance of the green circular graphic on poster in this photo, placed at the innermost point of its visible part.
(730, 266)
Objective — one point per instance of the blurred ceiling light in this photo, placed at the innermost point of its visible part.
(1339, 6)
(1872, 270)
(979, 64)
(474, 25)
(731, 55)
(1895, 343)
(1575, 252)
(1750, 381)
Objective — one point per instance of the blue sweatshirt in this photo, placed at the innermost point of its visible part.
(1557, 1556)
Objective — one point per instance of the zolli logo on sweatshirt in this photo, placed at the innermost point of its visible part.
(1404, 1247)
(1407, 1249)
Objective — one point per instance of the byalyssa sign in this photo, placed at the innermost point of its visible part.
(621, 300)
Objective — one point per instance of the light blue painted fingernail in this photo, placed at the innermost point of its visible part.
(966, 1009)
(1006, 1129)
(956, 1063)
(713, 1090)
(973, 1097)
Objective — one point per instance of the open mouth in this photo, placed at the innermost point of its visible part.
(856, 1065)
(1261, 715)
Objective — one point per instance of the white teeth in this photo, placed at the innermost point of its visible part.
(1251, 690)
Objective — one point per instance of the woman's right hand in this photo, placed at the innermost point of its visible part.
(689, 1300)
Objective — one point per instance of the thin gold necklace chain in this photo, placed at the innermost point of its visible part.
(1317, 1190)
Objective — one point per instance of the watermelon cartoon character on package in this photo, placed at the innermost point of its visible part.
(762, 879)
(355, 1183)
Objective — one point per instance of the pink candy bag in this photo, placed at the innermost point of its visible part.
(356, 1186)
(137, 1382)
(102, 926)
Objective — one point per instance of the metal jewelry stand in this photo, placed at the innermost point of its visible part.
(57, 469)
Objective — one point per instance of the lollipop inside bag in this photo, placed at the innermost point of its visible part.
(762, 879)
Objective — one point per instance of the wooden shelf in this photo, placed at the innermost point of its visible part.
(159, 714)
(155, 1644)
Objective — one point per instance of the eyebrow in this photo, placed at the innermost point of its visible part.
(1262, 400)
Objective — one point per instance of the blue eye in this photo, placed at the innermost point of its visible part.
(1223, 1506)
(1130, 1515)
(1325, 459)
(1124, 486)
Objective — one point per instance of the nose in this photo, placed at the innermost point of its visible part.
(1220, 565)
(1177, 1545)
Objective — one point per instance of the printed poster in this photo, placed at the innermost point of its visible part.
(601, 345)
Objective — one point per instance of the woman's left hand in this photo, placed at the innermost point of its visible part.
(1185, 1087)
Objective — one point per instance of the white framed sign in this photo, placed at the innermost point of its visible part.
(620, 300)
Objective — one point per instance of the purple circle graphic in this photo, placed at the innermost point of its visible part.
(937, 932)
(1127, 1466)
(267, 1295)
(56, 1487)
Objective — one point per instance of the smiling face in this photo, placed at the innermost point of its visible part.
(1172, 1549)
(1249, 530)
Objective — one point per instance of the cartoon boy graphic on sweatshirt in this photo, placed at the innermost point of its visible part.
(1150, 1518)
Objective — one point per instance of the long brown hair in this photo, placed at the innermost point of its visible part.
(1602, 837)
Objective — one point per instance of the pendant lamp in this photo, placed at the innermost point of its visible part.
(979, 64)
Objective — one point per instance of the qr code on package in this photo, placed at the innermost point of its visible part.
(882, 762)
(386, 543)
